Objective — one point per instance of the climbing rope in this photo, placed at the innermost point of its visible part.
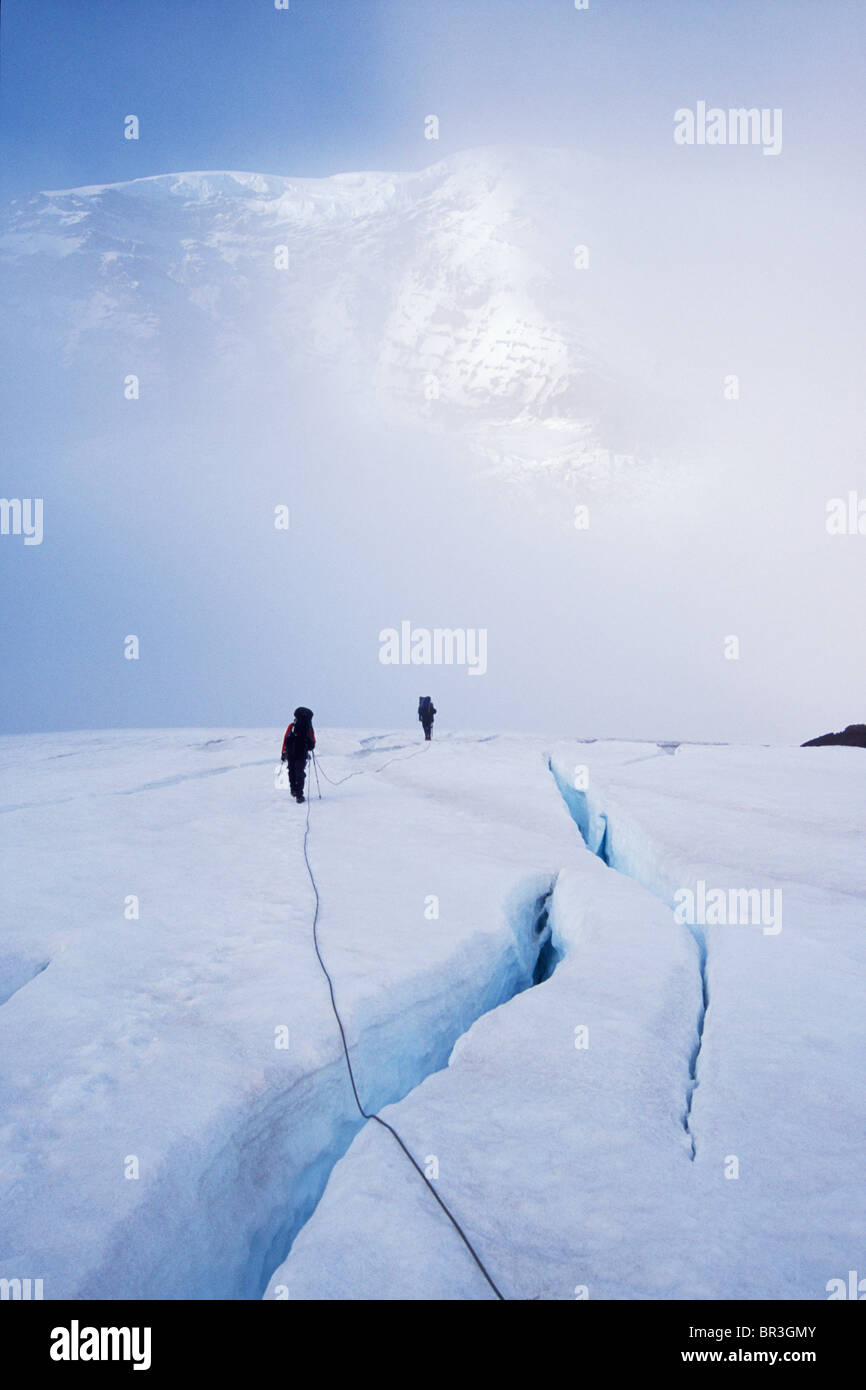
(362, 771)
(367, 1115)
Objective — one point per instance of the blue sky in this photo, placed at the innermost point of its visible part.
(333, 85)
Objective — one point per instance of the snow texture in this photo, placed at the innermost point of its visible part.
(585, 1132)
(704, 1144)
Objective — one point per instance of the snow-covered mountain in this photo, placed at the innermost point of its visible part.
(448, 295)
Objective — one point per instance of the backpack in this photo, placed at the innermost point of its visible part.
(425, 708)
(302, 723)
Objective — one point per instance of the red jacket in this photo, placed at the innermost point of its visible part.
(311, 743)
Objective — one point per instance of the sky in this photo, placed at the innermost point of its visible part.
(331, 85)
(732, 257)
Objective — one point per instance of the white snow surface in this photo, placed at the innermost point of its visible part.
(148, 1044)
(154, 1039)
(576, 1171)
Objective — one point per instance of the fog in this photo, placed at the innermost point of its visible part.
(705, 264)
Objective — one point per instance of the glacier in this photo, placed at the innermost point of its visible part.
(161, 1140)
(675, 1113)
(611, 1102)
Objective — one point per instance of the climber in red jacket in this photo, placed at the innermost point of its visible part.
(298, 744)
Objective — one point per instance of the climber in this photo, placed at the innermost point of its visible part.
(426, 711)
(298, 744)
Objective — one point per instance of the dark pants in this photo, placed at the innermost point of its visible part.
(427, 728)
(297, 775)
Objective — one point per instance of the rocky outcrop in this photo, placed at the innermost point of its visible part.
(854, 736)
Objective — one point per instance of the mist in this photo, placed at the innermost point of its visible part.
(719, 323)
